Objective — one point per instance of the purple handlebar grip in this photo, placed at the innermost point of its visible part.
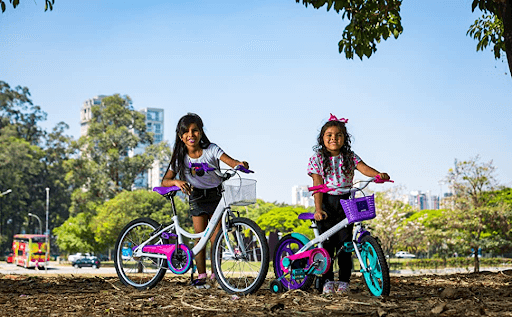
(243, 169)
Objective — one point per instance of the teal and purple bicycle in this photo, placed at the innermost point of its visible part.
(297, 260)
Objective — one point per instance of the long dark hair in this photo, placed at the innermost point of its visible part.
(346, 151)
(180, 150)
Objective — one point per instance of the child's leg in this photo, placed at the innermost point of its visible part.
(328, 245)
(345, 258)
(212, 240)
(200, 222)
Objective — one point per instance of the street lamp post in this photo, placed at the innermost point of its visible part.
(47, 231)
(40, 222)
(1, 207)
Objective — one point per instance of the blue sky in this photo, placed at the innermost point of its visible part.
(264, 76)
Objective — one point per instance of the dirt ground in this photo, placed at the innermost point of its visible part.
(475, 294)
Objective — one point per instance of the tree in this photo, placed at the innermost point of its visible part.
(30, 160)
(17, 110)
(476, 222)
(20, 166)
(109, 158)
(75, 234)
(114, 214)
(390, 216)
(494, 27)
(285, 219)
(48, 4)
(370, 21)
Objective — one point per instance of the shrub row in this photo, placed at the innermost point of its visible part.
(417, 264)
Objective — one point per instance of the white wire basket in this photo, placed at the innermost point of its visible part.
(240, 191)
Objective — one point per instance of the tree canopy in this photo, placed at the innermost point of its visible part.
(48, 5)
(494, 27)
(370, 21)
(116, 149)
(31, 159)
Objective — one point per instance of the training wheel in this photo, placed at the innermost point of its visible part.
(276, 286)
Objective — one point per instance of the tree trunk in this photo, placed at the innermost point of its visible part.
(505, 10)
(477, 262)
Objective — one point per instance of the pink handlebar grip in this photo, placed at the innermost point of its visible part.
(320, 189)
(378, 180)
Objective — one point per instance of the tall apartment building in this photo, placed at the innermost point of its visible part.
(301, 196)
(154, 123)
(423, 201)
(86, 113)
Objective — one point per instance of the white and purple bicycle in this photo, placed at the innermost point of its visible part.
(145, 249)
(297, 260)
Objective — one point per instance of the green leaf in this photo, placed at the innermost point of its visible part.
(473, 6)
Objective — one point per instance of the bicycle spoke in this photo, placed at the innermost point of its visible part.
(243, 270)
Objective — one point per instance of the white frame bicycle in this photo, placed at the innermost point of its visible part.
(145, 249)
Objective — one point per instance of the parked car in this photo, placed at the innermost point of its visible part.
(87, 262)
(404, 255)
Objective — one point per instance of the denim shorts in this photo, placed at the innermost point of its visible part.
(204, 201)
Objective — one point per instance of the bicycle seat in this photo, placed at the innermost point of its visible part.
(307, 216)
(165, 190)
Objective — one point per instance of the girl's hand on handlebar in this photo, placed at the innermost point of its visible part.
(383, 176)
(320, 215)
(184, 186)
(244, 164)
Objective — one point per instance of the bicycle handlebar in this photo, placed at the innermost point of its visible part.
(324, 188)
(201, 167)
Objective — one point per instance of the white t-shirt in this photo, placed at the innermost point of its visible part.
(210, 179)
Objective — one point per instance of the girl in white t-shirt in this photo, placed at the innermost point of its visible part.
(334, 163)
(203, 188)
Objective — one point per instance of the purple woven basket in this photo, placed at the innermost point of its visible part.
(359, 209)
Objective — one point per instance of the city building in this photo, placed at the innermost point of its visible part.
(301, 196)
(422, 201)
(155, 124)
(86, 113)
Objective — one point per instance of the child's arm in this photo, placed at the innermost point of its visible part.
(370, 171)
(320, 214)
(169, 180)
(232, 162)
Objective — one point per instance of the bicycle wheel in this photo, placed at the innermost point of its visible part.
(377, 277)
(245, 270)
(140, 272)
(289, 245)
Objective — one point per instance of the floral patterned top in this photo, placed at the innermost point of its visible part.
(336, 177)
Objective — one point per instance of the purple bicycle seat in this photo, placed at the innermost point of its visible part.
(307, 216)
(165, 190)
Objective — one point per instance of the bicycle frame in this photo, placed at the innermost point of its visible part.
(222, 211)
(321, 238)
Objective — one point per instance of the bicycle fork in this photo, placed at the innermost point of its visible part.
(241, 250)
